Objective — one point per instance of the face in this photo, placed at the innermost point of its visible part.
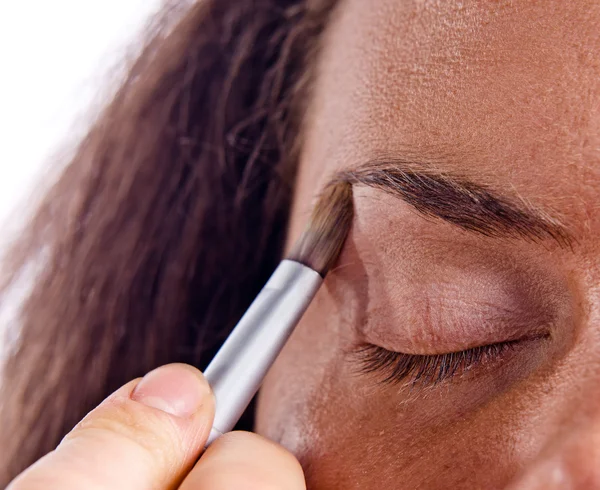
(504, 95)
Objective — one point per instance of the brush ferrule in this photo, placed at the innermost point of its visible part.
(238, 369)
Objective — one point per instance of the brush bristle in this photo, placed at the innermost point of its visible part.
(322, 241)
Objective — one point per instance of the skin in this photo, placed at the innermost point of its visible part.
(506, 94)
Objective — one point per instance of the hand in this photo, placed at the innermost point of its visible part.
(149, 435)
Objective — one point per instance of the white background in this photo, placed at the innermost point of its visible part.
(54, 55)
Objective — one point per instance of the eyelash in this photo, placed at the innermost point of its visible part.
(396, 367)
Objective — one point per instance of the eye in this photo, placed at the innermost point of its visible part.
(396, 367)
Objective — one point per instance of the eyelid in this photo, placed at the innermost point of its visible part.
(396, 367)
(426, 325)
(432, 310)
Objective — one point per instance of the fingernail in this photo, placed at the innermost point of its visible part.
(177, 389)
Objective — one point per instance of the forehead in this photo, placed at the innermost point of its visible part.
(507, 93)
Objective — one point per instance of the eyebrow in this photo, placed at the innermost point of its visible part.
(456, 200)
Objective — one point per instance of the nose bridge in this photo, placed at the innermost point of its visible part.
(583, 393)
(570, 462)
(583, 381)
(573, 388)
(570, 458)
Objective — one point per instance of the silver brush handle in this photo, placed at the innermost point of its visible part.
(238, 369)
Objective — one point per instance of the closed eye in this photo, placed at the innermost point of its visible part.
(397, 367)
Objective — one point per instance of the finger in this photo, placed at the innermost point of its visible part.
(146, 435)
(242, 460)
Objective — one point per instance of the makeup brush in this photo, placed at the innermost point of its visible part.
(240, 365)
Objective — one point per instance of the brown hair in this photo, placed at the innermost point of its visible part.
(168, 219)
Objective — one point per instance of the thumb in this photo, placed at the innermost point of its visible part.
(146, 435)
